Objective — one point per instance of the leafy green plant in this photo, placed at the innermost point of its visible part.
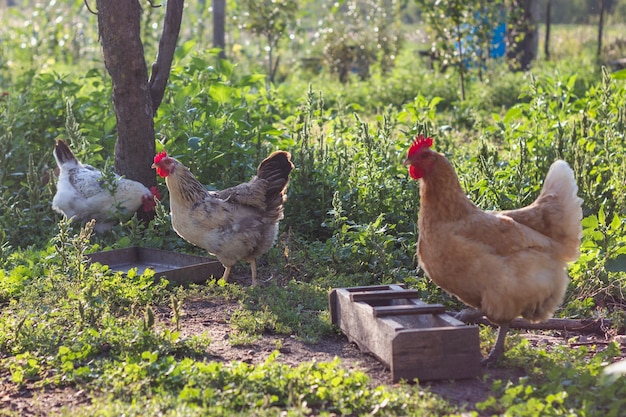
(271, 20)
(600, 272)
(217, 121)
(349, 43)
(562, 382)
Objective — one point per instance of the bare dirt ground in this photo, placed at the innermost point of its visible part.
(211, 317)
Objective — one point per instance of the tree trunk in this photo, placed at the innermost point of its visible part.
(219, 16)
(546, 44)
(119, 26)
(601, 26)
(523, 35)
(135, 98)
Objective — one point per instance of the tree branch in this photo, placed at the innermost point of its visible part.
(165, 56)
(89, 8)
(596, 326)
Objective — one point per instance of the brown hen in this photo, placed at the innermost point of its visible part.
(503, 264)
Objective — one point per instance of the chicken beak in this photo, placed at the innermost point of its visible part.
(153, 166)
(406, 162)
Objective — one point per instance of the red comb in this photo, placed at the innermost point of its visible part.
(420, 142)
(159, 157)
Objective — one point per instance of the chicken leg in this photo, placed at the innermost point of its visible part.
(227, 270)
(253, 270)
(226, 273)
(498, 348)
(471, 315)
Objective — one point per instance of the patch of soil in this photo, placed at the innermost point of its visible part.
(29, 401)
(211, 317)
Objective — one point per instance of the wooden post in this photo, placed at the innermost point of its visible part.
(546, 44)
(219, 16)
(601, 26)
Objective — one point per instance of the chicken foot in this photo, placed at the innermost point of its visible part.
(226, 273)
(498, 348)
(472, 315)
(227, 270)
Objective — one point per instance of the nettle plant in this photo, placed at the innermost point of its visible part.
(219, 123)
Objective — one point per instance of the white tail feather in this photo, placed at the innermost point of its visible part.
(560, 182)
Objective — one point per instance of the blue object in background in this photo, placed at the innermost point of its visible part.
(498, 41)
(497, 45)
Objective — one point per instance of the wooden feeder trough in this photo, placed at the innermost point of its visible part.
(412, 338)
(177, 268)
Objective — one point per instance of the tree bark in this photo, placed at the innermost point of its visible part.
(167, 48)
(119, 27)
(546, 44)
(219, 16)
(523, 34)
(601, 27)
(135, 98)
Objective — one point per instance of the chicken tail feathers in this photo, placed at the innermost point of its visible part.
(560, 182)
(63, 154)
(275, 169)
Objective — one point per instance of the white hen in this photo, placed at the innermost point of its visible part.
(83, 193)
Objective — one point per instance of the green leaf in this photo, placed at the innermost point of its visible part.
(270, 130)
(434, 102)
(220, 93)
(590, 222)
(617, 264)
(513, 113)
(571, 81)
(194, 143)
(616, 223)
(225, 67)
(251, 80)
(619, 75)
(184, 49)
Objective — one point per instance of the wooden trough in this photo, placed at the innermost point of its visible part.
(412, 338)
(178, 268)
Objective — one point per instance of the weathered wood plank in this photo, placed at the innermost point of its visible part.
(374, 288)
(357, 322)
(431, 354)
(383, 295)
(406, 309)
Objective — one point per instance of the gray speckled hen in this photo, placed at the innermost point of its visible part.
(238, 223)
